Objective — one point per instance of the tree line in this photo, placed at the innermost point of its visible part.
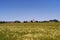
(31, 21)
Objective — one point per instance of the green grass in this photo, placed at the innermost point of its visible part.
(30, 31)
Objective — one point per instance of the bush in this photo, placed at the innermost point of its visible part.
(37, 21)
(3, 22)
(17, 22)
(54, 20)
(25, 22)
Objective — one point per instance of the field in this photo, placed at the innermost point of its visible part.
(30, 31)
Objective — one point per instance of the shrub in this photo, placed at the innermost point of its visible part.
(16, 21)
(54, 20)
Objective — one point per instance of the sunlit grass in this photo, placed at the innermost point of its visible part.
(30, 31)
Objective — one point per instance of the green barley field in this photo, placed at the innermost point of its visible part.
(30, 31)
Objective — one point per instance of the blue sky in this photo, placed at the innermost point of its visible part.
(11, 10)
